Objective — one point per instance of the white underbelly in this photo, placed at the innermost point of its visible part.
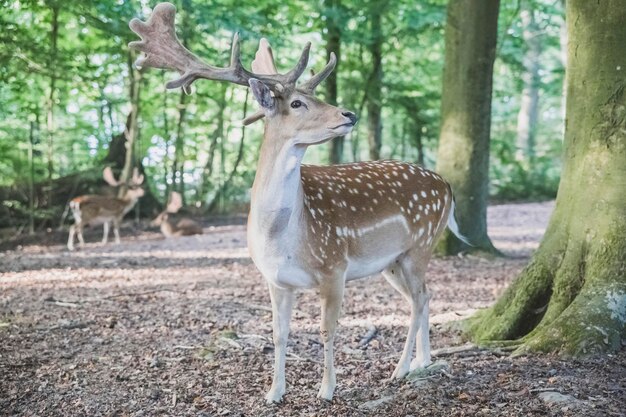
(364, 267)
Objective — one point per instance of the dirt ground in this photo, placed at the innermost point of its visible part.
(183, 327)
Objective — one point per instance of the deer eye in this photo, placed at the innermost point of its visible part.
(296, 104)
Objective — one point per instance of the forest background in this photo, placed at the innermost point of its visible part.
(70, 97)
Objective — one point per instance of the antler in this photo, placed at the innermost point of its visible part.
(310, 86)
(175, 203)
(163, 50)
(136, 179)
(108, 176)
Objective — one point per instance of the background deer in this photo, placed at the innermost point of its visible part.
(319, 226)
(170, 228)
(96, 209)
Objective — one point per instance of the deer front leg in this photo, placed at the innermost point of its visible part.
(332, 297)
(116, 230)
(282, 302)
(70, 239)
(79, 232)
(105, 232)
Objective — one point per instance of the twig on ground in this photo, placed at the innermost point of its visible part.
(133, 294)
(61, 303)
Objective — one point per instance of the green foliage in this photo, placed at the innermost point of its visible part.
(88, 72)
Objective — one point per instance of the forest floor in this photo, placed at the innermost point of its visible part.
(183, 327)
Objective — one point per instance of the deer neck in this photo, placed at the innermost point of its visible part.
(277, 199)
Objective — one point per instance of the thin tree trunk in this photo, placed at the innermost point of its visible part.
(529, 106)
(52, 61)
(374, 87)
(333, 44)
(31, 180)
(207, 171)
(130, 133)
(463, 155)
(228, 182)
(571, 298)
(419, 144)
(179, 157)
(166, 135)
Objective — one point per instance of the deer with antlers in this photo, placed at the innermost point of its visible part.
(98, 209)
(170, 228)
(319, 226)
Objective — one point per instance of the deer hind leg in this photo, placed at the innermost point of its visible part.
(105, 232)
(282, 302)
(331, 292)
(79, 232)
(422, 348)
(407, 277)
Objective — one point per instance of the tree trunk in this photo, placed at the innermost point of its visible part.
(222, 190)
(130, 133)
(333, 44)
(375, 84)
(52, 58)
(207, 171)
(179, 141)
(463, 155)
(31, 179)
(529, 106)
(571, 298)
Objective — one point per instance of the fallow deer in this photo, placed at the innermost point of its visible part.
(98, 209)
(183, 227)
(319, 226)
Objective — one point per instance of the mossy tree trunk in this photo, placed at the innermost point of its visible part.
(463, 154)
(571, 298)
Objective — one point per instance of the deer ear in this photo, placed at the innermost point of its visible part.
(262, 94)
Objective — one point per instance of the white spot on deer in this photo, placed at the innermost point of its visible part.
(406, 177)
(423, 193)
(415, 197)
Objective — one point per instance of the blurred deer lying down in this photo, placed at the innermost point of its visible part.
(170, 228)
(98, 209)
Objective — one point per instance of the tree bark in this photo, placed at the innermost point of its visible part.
(529, 106)
(207, 171)
(375, 84)
(571, 298)
(333, 44)
(130, 133)
(179, 156)
(463, 155)
(222, 190)
(52, 58)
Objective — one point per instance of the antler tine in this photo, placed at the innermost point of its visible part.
(136, 179)
(175, 202)
(163, 50)
(310, 86)
(293, 75)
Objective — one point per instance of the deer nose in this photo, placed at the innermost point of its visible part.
(350, 116)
